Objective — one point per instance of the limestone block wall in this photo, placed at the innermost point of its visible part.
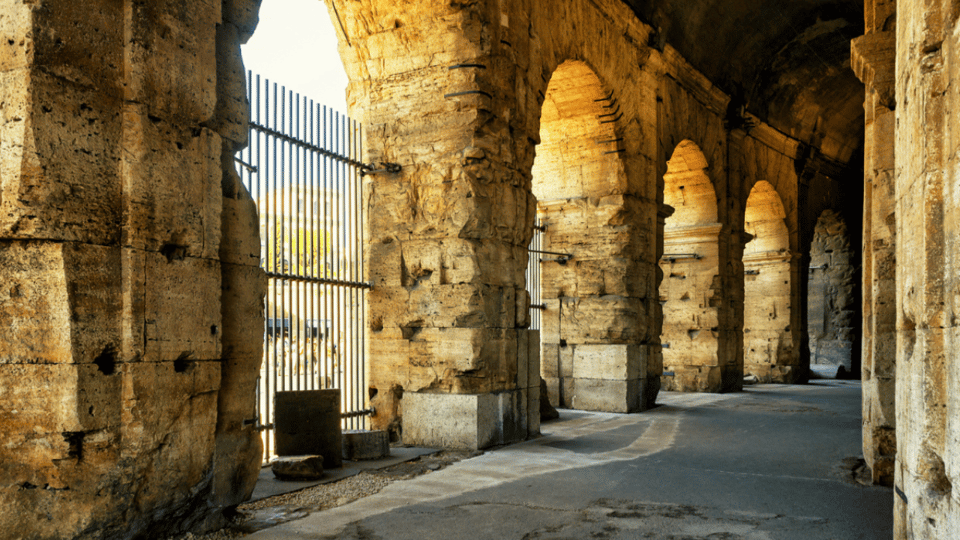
(447, 237)
(767, 341)
(130, 315)
(873, 59)
(690, 292)
(830, 294)
(927, 249)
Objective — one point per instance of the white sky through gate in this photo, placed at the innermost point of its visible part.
(295, 45)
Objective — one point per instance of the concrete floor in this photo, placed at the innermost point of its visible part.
(767, 463)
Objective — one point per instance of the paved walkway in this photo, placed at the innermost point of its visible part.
(768, 463)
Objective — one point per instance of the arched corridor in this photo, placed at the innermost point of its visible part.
(689, 292)
(831, 294)
(769, 351)
(589, 354)
(666, 145)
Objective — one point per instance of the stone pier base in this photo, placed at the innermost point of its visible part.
(471, 421)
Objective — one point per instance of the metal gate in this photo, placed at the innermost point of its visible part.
(303, 168)
(533, 276)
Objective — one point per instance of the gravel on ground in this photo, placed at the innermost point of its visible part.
(257, 515)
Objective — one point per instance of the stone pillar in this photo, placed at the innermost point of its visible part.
(450, 361)
(927, 468)
(127, 277)
(691, 296)
(873, 58)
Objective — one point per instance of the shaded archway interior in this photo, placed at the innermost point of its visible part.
(832, 317)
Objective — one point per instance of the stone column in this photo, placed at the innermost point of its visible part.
(450, 356)
(927, 468)
(872, 57)
(118, 124)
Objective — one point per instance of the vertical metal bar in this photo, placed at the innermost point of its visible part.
(360, 294)
(327, 320)
(338, 355)
(357, 317)
(311, 241)
(351, 319)
(271, 118)
(361, 235)
(344, 267)
(298, 240)
(279, 201)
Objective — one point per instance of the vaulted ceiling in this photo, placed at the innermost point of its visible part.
(787, 60)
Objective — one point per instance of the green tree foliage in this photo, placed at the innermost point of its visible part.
(301, 251)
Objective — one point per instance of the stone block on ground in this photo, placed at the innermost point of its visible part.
(308, 422)
(359, 445)
(305, 467)
(607, 396)
(472, 421)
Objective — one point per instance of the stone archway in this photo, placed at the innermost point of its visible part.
(590, 353)
(767, 339)
(691, 278)
(831, 301)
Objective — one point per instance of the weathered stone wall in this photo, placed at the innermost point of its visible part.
(455, 223)
(768, 347)
(927, 280)
(691, 293)
(873, 59)
(130, 315)
(457, 94)
(830, 294)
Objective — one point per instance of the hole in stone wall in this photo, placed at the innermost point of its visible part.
(173, 252)
(183, 363)
(106, 362)
(410, 332)
(74, 440)
(934, 474)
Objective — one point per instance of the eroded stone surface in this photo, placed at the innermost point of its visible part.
(125, 343)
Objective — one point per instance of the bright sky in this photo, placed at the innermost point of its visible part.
(295, 46)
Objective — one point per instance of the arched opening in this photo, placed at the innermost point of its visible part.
(589, 353)
(831, 298)
(309, 212)
(767, 341)
(688, 292)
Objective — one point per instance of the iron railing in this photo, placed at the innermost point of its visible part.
(534, 282)
(303, 168)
